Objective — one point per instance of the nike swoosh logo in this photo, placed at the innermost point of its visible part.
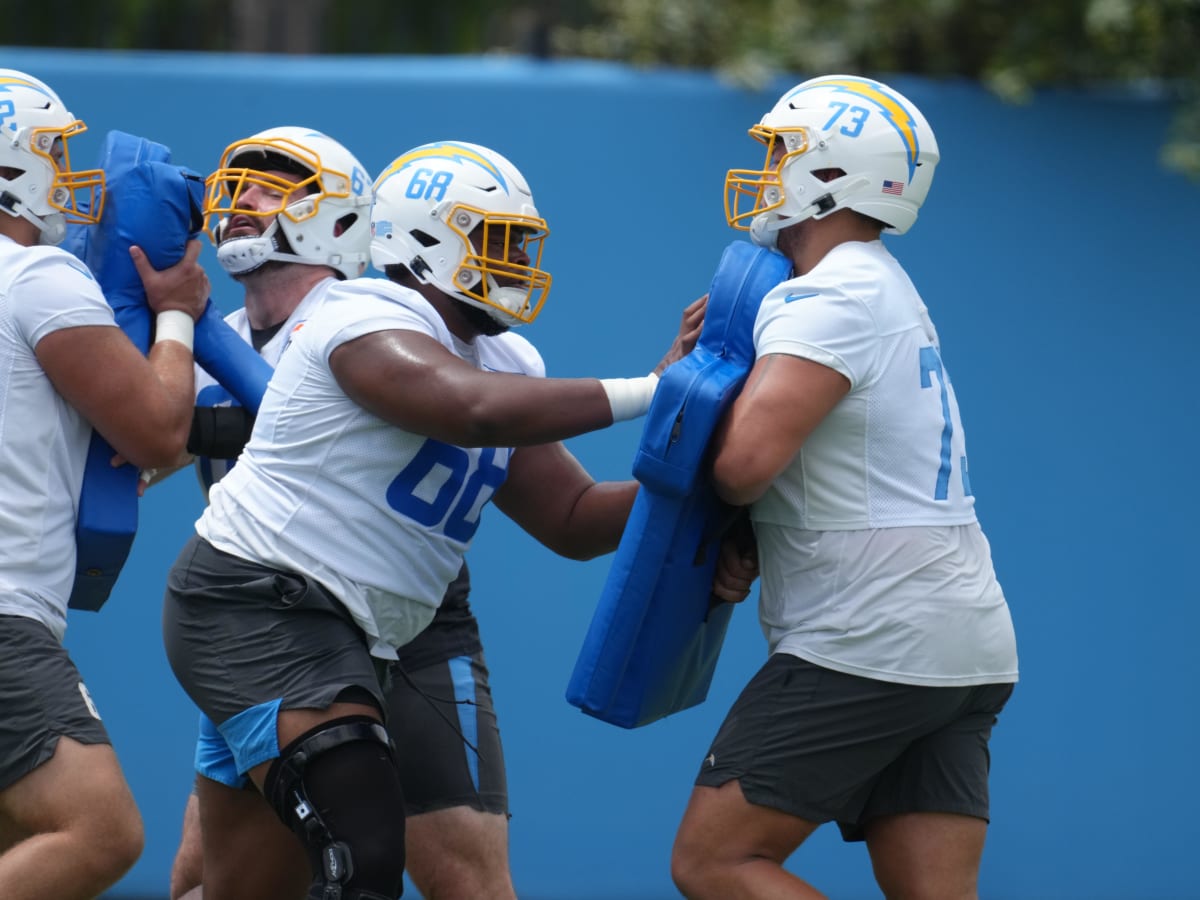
(790, 297)
(81, 269)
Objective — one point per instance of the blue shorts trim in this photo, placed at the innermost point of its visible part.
(464, 695)
(225, 753)
(214, 759)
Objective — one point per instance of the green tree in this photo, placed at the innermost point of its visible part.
(1012, 46)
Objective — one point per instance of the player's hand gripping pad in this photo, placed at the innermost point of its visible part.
(655, 636)
(157, 206)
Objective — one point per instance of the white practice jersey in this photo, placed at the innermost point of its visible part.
(43, 440)
(380, 516)
(873, 562)
(210, 393)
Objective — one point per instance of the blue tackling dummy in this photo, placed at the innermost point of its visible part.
(157, 206)
(656, 633)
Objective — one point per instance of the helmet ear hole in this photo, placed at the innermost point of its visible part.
(828, 175)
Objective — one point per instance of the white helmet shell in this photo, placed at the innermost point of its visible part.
(461, 217)
(323, 209)
(35, 133)
(874, 149)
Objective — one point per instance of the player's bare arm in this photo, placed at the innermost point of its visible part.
(141, 405)
(412, 381)
(785, 398)
(550, 495)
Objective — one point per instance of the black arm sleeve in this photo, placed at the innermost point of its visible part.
(219, 432)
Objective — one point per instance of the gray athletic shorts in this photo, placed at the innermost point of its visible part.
(246, 641)
(43, 699)
(826, 746)
(443, 724)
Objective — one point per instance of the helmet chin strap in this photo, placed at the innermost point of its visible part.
(764, 230)
(242, 255)
(52, 227)
(761, 232)
(508, 300)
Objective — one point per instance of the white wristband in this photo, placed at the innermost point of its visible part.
(174, 325)
(629, 397)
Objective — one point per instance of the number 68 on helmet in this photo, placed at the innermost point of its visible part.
(461, 217)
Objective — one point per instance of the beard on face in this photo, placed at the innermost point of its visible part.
(481, 320)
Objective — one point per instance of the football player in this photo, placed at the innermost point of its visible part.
(69, 827)
(891, 645)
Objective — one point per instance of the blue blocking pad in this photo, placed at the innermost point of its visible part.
(133, 168)
(224, 354)
(157, 206)
(656, 633)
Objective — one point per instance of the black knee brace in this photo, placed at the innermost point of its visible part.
(338, 788)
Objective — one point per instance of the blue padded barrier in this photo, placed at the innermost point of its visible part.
(655, 636)
(134, 168)
(157, 206)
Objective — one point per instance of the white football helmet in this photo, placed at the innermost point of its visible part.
(430, 201)
(323, 211)
(882, 144)
(35, 129)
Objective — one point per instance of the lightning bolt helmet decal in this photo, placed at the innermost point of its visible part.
(835, 142)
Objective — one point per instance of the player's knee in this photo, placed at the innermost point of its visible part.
(188, 866)
(186, 872)
(459, 852)
(338, 788)
(689, 866)
(111, 846)
(455, 875)
(680, 872)
(469, 879)
(127, 847)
